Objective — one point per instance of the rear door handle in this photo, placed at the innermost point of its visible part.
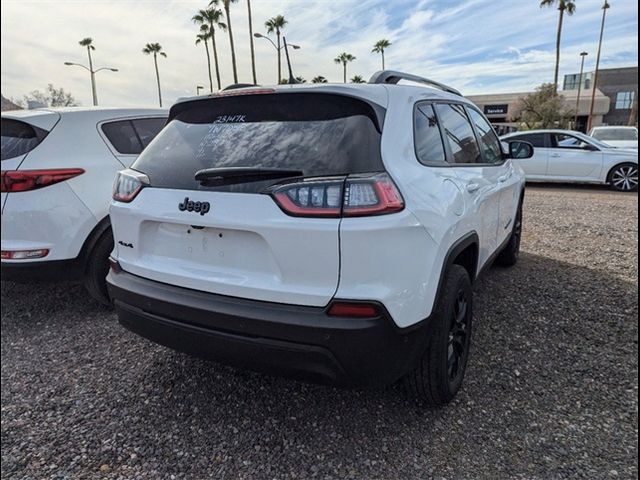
(473, 187)
(555, 155)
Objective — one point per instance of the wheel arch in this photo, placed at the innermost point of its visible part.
(617, 165)
(98, 231)
(464, 252)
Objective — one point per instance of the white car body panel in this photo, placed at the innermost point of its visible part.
(59, 217)
(600, 133)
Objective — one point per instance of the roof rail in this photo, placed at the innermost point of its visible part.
(393, 77)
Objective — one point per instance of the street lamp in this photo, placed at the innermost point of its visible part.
(93, 77)
(295, 47)
(575, 120)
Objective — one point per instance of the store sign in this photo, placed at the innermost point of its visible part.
(496, 109)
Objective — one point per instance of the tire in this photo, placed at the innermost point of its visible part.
(511, 253)
(624, 178)
(439, 373)
(97, 267)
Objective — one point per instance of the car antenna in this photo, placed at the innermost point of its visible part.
(292, 79)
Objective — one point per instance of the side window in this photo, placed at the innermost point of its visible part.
(563, 140)
(19, 138)
(148, 128)
(535, 139)
(428, 141)
(491, 149)
(123, 137)
(459, 133)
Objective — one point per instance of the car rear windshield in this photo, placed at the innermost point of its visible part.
(317, 134)
(19, 138)
(624, 134)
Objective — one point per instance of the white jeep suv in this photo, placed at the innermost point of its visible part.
(326, 232)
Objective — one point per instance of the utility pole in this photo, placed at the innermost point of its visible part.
(605, 7)
(575, 121)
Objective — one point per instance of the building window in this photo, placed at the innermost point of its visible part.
(624, 100)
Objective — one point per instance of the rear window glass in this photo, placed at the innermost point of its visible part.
(459, 133)
(318, 134)
(130, 137)
(19, 138)
(535, 139)
(429, 147)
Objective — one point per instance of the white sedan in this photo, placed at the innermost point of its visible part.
(619, 137)
(568, 156)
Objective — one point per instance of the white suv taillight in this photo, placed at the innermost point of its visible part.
(27, 180)
(128, 184)
(357, 196)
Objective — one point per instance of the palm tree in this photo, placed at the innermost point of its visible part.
(88, 43)
(227, 10)
(253, 53)
(563, 5)
(358, 79)
(155, 49)
(344, 58)
(203, 38)
(276, 24)
(212, 17)
(319, 79)
(380, 46)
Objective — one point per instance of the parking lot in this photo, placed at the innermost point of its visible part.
(551, 389)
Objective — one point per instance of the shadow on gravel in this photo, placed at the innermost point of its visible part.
(551, 389)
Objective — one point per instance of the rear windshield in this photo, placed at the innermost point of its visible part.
(19, 138)
(629, 134)
(318, 134)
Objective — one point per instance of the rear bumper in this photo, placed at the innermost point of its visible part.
(44, 271)
(290, 340)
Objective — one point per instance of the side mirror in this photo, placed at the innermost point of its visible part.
(520, 150)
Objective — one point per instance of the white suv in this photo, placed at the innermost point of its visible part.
(58, 167)
(328, 232)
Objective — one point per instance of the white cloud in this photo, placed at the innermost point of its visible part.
(476, 45)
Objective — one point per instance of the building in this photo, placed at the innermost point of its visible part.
(615, 99)
(8, 104)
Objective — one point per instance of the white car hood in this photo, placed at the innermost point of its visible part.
(628, 144)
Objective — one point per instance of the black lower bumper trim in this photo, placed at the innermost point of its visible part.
(290, 340)
(46, 271)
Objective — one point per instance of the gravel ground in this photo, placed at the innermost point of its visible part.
(551, 390)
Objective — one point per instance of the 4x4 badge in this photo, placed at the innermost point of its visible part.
(191, 206)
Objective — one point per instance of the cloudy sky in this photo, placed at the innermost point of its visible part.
(477, 46)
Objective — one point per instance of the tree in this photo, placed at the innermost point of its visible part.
(212, 17)
(202, 38)
(380, 47)
(319, 79)
(563, 5)
(544, 108)
(88, 44)
(358, 79)
(253, 53)
(155, 49)
(276, 24)
(344, 58)
(51, 97)
(227, 10)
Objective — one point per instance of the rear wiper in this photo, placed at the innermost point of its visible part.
(232, 175)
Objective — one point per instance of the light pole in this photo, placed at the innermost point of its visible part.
(295, 47)
(595, 75)
(93, 77)
(198, 88)
(575, 121)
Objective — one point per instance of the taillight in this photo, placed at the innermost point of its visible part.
(128, 184)
(26, 180)
(24, 254)
(355, 196)
(353, 310)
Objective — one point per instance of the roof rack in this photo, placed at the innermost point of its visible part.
(393, 77)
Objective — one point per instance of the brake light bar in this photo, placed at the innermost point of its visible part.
(335, 197)
(243, 91)
(27, 180)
